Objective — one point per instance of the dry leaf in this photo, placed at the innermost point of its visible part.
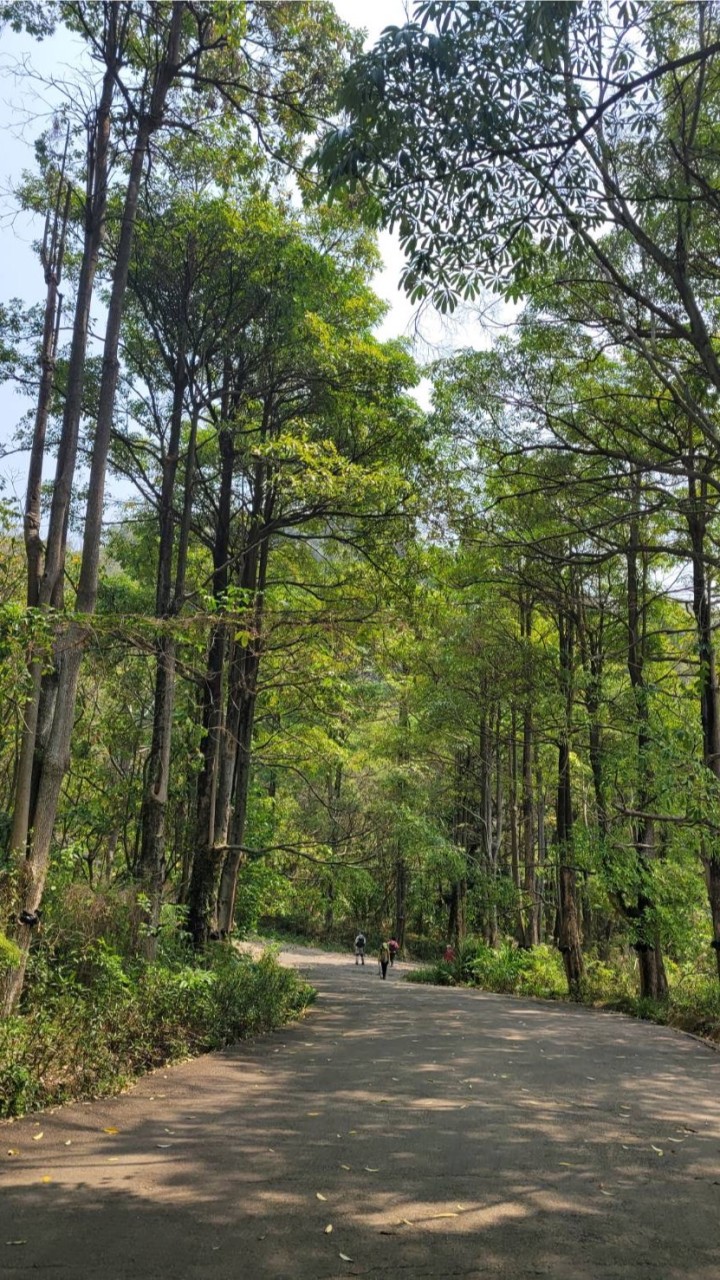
(658, 1149)
(37, 1136)
(67, 1142)
(313, 1113)
(369, 1170)
(320, 1196)
(344, 1257)
(342, 1166)
(163, 1146)
(13, 1151)
(328, 1229)
(16, 1241)
(111, 1129)
(47, 1178)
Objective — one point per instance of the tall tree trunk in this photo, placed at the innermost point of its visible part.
(653, 980)
(208, 860)
(569, 940)
(73, 643)
(46, 588)
(168, 602)
(246, 697)
(708, 679)
(402, 874)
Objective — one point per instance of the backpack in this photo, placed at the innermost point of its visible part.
(360, 940)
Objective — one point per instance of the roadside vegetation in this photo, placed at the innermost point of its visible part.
(692, 1004)
(286, 642)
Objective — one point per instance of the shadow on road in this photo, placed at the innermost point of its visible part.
(440, 1133)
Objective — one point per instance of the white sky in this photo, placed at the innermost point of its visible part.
(25, 108)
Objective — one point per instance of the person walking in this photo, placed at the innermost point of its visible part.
(360, 949)
(394, 948)
(384, 958)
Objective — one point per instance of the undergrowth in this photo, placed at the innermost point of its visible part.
(693, 1003)
(88, 1024)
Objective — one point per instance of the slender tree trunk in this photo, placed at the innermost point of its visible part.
(708, 679)
(653, 980)
(151, 862)
(402, 874)
(235, 855)
(569, 939)
(45, 588)
(72, 645)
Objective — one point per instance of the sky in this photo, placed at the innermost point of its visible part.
(25, 109)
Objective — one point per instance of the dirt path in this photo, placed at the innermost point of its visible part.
(441, 1133)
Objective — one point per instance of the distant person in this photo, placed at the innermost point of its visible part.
(393, 947)
(384, 958)
(360, 949)
(449, 954)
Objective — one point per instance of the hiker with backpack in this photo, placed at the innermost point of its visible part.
(360, 949)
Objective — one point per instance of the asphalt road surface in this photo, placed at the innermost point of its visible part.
(440, 1133)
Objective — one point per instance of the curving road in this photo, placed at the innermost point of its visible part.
(440, 1133)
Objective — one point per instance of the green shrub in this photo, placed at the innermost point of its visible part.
(439, 975)
(86, 1035)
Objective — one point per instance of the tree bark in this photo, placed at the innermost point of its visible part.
(58, 751)
(151, 862)
(46, 589)
(708, 679)
(569, 938)
(651, 967)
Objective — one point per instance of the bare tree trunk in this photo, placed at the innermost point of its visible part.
(151, 862)
(58, 751)
(204, 926)
(46, 589)
(708, 679)
(653, 980)
(569, 939)
(402, 875)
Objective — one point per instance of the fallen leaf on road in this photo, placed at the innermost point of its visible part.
(369, 1170)
(37, 1136)
(320, 1196)
(342, 1166)
(16, 1241)
(658, 1149)
(313, 1113)
(111, 1129)
(565, 1164)
(163, 1146)
(46, 1178)
(352, 1131)
(68, 1142)
(344, 1257)
(328, 1229)
(13, 1151)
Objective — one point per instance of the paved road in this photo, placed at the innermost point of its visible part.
(440, 1133)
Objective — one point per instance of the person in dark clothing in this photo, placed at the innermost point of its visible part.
(384, 958)
(360, 949)
(394, 948)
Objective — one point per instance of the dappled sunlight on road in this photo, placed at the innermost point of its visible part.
(438, 1132)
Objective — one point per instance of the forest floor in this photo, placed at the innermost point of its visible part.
(440, 1132)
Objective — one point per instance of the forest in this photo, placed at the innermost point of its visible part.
(286, 647)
